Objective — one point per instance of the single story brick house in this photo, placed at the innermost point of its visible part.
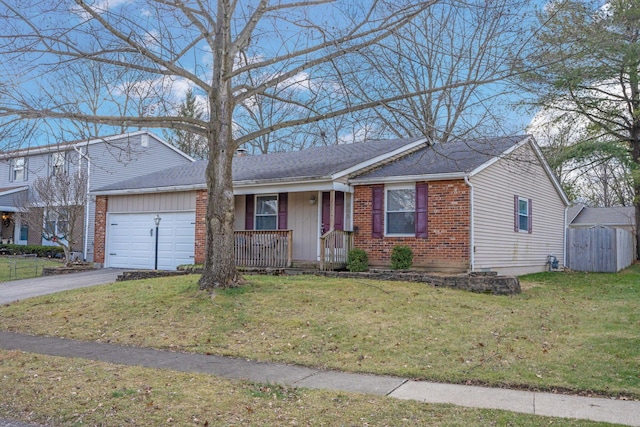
(481, 205)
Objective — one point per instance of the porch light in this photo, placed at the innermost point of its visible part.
(157, 220)
(312, 200)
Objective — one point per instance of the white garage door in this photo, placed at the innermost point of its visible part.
(131, 240)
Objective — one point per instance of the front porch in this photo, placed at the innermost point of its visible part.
(274, 249)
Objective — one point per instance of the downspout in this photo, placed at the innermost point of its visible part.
(472, 260)
(564, 242)
(88, 203)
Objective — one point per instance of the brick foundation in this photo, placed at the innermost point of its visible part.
(446, 247)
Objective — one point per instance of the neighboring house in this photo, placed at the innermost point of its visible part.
(104, 161)
(489, 205)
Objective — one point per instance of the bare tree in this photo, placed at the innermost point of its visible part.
(199, 44)
(477, 41)
(55, 205)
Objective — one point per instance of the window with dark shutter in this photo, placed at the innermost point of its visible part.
(421, 209)
(248, 211)
(377, 211)
(282, 210)
(522, 214)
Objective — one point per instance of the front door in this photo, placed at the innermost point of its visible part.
(338, 212)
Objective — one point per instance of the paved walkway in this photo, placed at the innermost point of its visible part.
(555, 405)
(27, 288)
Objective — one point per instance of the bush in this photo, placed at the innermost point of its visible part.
(39, 250)
(401, 258)
(357, 260)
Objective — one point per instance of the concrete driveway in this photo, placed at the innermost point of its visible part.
(27, 288)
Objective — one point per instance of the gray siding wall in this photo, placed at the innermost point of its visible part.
(111, 161)
(497, 247)
(123, 159)
(37, 166)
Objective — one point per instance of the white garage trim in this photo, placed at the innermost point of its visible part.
(130, 240)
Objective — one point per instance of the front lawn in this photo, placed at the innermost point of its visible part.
(566, 331)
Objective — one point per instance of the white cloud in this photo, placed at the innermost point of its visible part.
(100, 6)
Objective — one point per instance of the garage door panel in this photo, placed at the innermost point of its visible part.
(131, 240)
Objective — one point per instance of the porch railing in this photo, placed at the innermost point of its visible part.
(263, 248)
(334, 247)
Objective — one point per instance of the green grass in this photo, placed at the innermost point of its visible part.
(17, 267)
(567, 331)
(77, 392)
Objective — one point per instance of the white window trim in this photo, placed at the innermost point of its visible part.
(403, 186)
(15, 168)
(58, 161)
(256, 215)
(520, 230)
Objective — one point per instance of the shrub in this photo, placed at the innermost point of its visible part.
(357, 260)
(401, 258)
(41, 251)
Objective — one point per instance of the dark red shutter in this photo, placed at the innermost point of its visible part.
(377, 211)
(530, 225)
(282, 210)
(339, 211)
(249, 211)
(421, 209)
(516, 214)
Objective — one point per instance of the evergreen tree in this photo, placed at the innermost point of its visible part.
(188, 142)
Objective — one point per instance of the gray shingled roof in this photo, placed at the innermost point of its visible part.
(309, 164)
(622, 215)
(451, 157)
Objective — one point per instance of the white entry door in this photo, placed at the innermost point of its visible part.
(131, 240)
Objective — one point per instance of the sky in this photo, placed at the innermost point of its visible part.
(268, 41)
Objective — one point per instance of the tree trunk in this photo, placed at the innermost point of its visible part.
(219, 265)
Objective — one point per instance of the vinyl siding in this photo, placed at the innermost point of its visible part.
(157, 202)
(123, 159)
(495, 241)
(303, 220)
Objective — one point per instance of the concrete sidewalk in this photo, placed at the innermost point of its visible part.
(554, 405)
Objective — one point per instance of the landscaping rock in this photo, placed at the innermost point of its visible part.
(147, 274)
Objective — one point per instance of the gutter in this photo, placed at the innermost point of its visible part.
(472, 259)
(408, 178)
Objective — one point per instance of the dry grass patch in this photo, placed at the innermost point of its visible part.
(569, 332)
(74, 392)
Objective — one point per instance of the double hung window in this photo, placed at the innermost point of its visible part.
(267, 212)
(401, 211)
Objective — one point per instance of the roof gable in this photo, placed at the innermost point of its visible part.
(64, 146)
(446, 159)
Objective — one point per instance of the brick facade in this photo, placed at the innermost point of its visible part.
(447, 244)
(100, 229)
(201, 230)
